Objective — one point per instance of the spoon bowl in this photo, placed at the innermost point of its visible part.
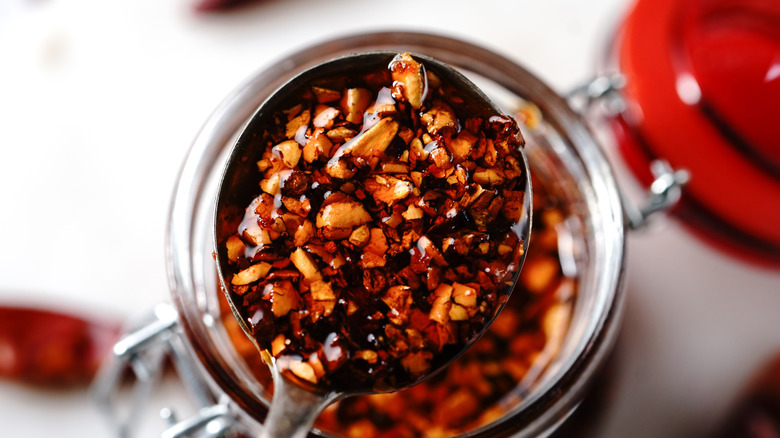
(296, 402)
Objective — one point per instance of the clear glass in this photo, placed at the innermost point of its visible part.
(561, 151)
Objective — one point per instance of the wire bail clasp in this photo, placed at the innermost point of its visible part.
(602, 93)
(137, 364)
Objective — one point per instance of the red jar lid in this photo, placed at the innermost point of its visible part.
(703, 92)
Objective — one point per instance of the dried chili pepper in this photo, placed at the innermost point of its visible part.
(51, 349)
(757, 415)
(219, 5)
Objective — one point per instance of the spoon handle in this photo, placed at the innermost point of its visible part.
(293, 409)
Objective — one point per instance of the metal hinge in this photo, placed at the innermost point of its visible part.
(127, 379)
(603, 93)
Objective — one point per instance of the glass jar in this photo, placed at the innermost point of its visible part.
(563, 157)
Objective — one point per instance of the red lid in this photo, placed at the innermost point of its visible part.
(703, 92)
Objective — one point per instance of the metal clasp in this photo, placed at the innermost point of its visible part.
(603, 94)
(137, 365)
(663, 194)
(604, 90)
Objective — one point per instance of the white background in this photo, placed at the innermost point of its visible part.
(99, 101)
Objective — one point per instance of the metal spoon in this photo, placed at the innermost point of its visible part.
(294, 407)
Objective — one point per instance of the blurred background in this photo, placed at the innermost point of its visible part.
(99, 102)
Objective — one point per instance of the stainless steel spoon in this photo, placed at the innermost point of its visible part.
(294, 408)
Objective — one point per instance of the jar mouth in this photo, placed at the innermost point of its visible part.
(560, 144)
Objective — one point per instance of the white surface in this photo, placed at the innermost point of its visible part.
(99, 102)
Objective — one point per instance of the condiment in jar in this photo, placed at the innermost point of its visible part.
(479, 385)
(386, 231)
